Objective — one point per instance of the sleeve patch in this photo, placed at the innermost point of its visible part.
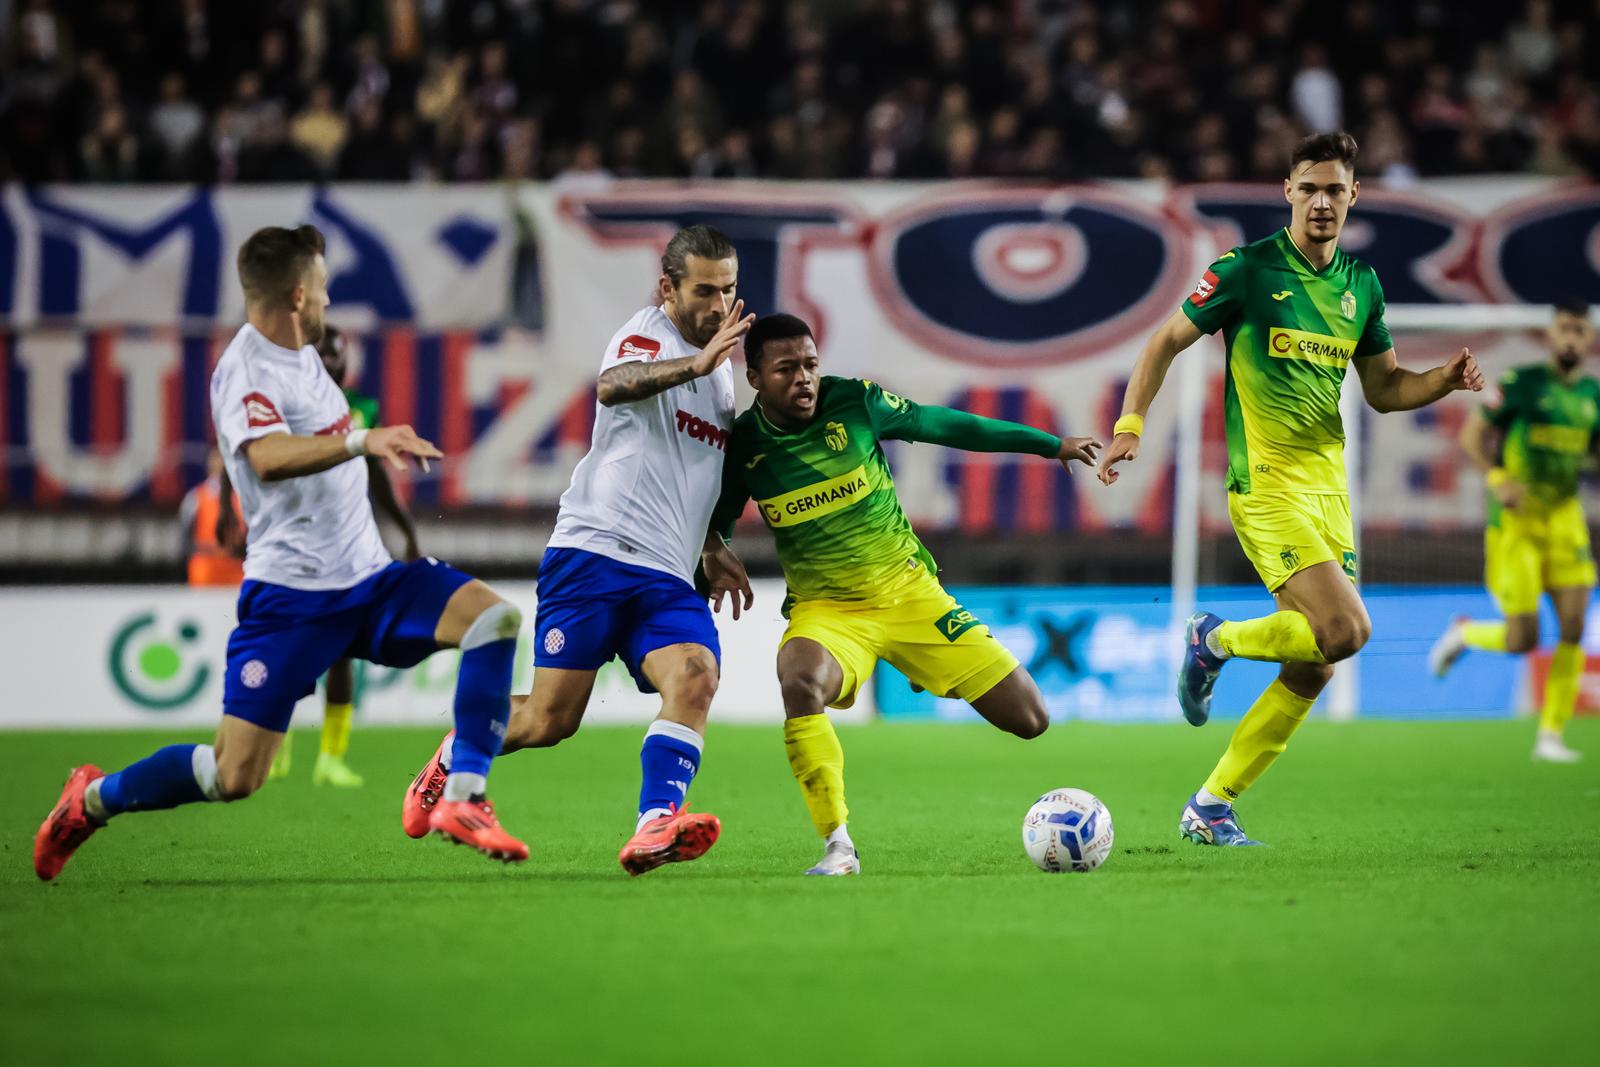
(259, 411)
(638, 346)
(1203, 289)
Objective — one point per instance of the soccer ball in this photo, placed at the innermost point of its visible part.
(1067, 830)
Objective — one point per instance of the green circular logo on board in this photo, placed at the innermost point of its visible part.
(157, 672)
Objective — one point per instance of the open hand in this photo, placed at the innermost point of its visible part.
(720, 347)
(725, 574)
(1081, 449)
(395, 443)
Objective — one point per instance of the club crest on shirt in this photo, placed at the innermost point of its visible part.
(835, 436)
(1347, 304)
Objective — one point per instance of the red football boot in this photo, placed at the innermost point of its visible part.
(424, 792)
(675, 838)
(67, 825)
(472, 823)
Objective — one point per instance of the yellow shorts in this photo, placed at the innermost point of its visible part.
(1529, 551)
(920, 629)
(1285, 533)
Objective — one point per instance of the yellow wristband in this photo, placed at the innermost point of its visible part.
(1497, 477)
(1129, 423)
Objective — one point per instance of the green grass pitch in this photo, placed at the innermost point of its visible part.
(1430, 896)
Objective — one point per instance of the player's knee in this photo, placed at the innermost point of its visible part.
(237, 781)
(1520, 639)
(1343, 636)
(694, 684)
(804, 693)
(1033, 721)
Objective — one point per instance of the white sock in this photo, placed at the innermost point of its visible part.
(92, 805)
(1550, 737)
(446, 754)
(1214, 644)
(841, 837)
(1208, 799)
(646, 816)
(465, 786)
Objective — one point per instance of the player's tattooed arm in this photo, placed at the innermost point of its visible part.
(639, 380)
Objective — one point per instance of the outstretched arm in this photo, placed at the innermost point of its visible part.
(1390, 387)
(975, 433)
(1176, 334)
(281, 455)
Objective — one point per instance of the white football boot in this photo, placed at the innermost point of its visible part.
(1552, 748)
(1445, 651)
(839, 859)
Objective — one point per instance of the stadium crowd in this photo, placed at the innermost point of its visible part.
(472, 90)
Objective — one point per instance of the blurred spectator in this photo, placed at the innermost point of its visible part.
(319, 130)
(176, 126)
(110, 153)
(1318, 98)
(475, 90)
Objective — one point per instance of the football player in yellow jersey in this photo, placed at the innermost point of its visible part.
(1530, 441)
(1295, 311)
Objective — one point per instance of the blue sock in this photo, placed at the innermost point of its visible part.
(669, 759)
(483, 689)
(168, 777)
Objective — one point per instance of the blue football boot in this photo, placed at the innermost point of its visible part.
(1198, 675)
(1212, 824)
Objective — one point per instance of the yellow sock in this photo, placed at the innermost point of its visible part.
(1259, 738)
(1561, 687)
(817, 759)
(1282, 637)
(336, 729)
(1484, 635)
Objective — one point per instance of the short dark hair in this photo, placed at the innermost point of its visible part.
(1573, 305)
(274, 260)
(1326, 147)
(779, 327)
(707, 242)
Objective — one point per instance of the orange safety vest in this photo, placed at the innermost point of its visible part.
(210, 563)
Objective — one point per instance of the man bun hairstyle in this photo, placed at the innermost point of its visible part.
(1325, 147)
(707, 242)
(779, 327)
(1573, 305)
(274, 260)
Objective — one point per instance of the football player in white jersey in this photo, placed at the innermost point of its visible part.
(617, 578)
(319, 584)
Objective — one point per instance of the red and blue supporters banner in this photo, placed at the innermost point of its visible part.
(480, 315)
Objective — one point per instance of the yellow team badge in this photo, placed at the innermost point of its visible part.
(835, 436)
(1347, 304)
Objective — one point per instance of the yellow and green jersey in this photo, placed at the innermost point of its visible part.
(1290, 331)
(1550, 425)
(363, 410)
(825, 490)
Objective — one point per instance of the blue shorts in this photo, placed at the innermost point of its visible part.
(592, 607)
(286, 638)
